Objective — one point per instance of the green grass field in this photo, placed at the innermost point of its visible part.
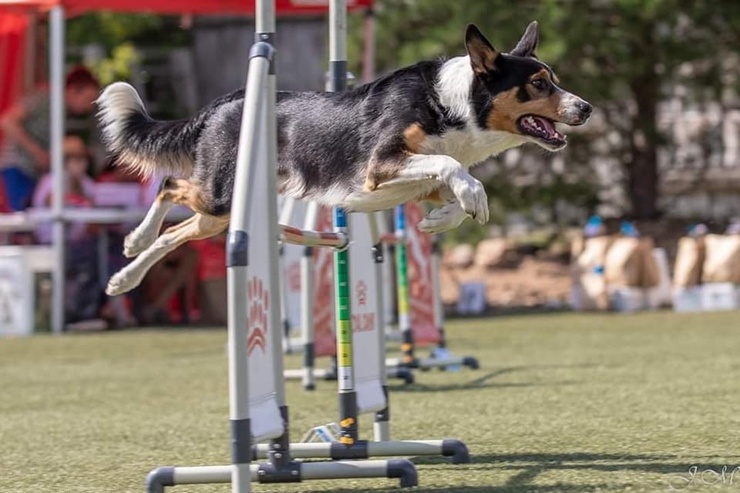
(561, 403)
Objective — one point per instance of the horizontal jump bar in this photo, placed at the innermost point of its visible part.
(296, 236)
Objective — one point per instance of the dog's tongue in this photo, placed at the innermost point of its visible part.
(542, 126)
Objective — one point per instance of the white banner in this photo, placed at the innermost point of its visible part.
(263, 302)
(366, 320)
(291, 264)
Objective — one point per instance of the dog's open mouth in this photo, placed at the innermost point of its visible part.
(541, 129)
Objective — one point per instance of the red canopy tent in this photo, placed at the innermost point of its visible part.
(12, 51)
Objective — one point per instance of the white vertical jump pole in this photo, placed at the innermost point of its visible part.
(265, 33)
(57, 122)
(307, 301)
(345, 374)
(381, 422)
(286, 210)
(238, 243)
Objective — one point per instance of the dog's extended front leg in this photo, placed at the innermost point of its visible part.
(469, 192)
(449, 216)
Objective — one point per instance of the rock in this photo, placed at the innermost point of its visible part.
(460, 257)
(490, 253)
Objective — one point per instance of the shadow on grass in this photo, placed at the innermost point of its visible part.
(527, 488)
(675, 468)
(483, 380)
(554, 460)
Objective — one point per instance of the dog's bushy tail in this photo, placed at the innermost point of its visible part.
(141, 143)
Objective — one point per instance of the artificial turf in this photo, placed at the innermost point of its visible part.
(561, 403)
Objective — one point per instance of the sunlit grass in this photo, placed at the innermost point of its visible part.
(564, 402)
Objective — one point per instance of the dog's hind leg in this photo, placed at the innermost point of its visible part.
(198, 227)
(171, 191)
(147, 231)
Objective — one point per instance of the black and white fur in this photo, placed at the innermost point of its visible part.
(410, 135)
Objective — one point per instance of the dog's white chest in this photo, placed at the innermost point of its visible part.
(468, 146)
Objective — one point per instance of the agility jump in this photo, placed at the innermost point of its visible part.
(306, 299)
(256, 391)
(430, 330)
(409, 156)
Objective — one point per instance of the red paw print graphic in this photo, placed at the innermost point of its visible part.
(361, 290)
(259, 306)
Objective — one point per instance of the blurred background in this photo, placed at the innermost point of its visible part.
(663, 75)
(661, 152)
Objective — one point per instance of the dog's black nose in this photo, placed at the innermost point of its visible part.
(585, 108)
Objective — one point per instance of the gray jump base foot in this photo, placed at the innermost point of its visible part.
(364, 449)
(404, 470)
(424, 364)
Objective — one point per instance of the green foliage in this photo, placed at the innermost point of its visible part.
(118, 66)
(112, 29)
(121, 36)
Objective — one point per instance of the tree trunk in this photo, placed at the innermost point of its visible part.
(642, 168)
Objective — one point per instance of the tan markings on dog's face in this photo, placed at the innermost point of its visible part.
(507, 108)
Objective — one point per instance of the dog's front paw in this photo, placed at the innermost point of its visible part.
(442, 219)
(471, 195)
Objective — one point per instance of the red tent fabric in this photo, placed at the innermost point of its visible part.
(74, 7)
(12, 49)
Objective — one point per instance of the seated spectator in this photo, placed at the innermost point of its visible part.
(81, 270)
(26, 125)
(79, 190)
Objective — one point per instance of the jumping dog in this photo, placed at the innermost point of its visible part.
(409, 135)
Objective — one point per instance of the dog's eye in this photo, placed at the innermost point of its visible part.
(540, 84)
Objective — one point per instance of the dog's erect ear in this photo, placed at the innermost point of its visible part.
(526, 46)
(482, 55)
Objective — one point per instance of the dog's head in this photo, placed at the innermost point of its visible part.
(516, 93)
